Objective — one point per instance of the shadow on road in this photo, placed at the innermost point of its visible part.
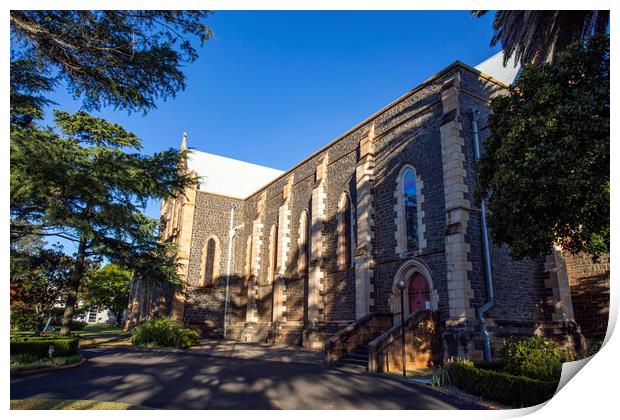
(198, 381)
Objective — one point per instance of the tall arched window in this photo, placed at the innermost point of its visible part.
(344, 232)
(247, 272)
(273, 252)
(302, 244)
(410, 202)
(210, 262)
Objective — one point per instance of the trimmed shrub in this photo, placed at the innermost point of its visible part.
(496, 365)
(39, 346)
(164, 332)
(517, 391)
(533, 357)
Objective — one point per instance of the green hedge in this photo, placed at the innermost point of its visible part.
(517, 391)
(164, 332)
(496, 365)
(39, 346)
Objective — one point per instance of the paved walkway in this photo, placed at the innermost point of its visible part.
(236, 349)
(259, 351)
(197, 380)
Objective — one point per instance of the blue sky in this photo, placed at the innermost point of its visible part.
(273, 87)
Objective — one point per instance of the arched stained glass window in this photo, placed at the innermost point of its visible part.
(411, 209)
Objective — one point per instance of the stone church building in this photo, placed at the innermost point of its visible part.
(314, 256)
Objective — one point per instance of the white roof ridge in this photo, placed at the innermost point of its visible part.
(227, 176)
(494, 66)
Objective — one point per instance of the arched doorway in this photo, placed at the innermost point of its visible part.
(419, 293)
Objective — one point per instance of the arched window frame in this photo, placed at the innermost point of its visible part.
(344, 232)
(302, 244)
(401, 218)
(204, 282)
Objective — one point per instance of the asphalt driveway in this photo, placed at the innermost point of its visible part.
(202, 381)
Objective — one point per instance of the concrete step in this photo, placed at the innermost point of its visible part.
(355, 360)
(360, 352)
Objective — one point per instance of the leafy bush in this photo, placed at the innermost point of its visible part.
(566, 354)
(164, 332)
(594, 348)
(442, 376)
(517, 391)
(533, 357)
(39, 346)
(22, 318)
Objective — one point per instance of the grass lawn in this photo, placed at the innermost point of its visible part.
(92, 335)
(415, 373)
(102, 334)
(71, 405)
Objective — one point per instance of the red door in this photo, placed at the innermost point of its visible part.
(418, 293)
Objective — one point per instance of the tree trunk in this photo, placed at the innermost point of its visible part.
(76, 279)
(118, 316)
(38, 327)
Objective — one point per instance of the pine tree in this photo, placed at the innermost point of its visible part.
(84, 178)
(85, 182)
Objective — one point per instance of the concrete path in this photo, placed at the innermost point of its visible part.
(181, 380)
(259, 351)
(231, 348)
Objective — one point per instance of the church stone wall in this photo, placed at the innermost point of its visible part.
(204, 306)
(430, 129)
(589, 283)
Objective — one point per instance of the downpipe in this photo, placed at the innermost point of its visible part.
(481, 311)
